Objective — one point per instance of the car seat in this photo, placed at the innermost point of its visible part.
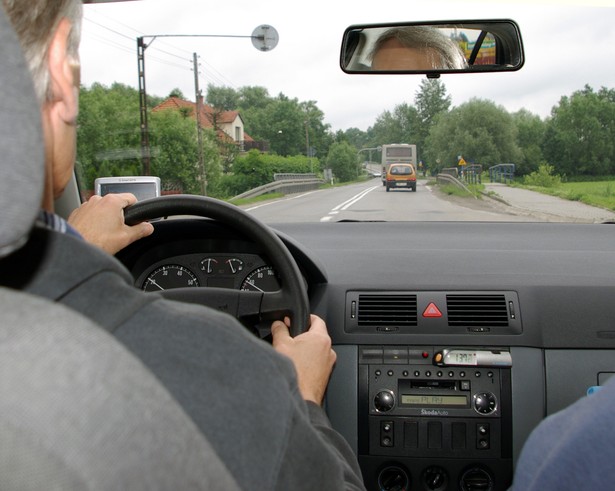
(77, 410)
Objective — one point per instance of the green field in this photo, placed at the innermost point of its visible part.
(595, 193)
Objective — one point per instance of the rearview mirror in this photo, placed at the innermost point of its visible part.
(433, 48)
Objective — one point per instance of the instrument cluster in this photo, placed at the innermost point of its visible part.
(236, 271)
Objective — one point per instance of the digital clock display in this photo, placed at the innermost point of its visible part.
(433, 400)
(460, 358)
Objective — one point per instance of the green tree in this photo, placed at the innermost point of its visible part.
(530, 137)
(289, 125)
(580, 135)
(108, 135)
(431, 100)
(175, 159)
(222, 98)
(356, 137)
(176, 92)
(478, 130)
(342, 160)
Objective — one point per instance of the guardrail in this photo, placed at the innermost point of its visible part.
(281, 176)
(443, 178)
(285, 186)
(472, 173)
(502, 173)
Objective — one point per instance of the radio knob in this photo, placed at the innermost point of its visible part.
(384, 401)
(485, 403)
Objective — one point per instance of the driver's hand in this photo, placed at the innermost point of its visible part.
(100, 221)
(310, 352)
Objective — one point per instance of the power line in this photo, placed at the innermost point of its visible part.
(212, 72)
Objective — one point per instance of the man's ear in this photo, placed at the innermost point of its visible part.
(63, 75)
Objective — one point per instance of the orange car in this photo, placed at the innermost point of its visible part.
(401, 175)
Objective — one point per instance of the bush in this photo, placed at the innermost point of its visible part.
(543, 177)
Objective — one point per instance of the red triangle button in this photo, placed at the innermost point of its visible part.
(432, 311)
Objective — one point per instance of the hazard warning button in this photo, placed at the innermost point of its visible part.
(432, 311)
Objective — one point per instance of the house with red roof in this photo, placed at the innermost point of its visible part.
(228, 125)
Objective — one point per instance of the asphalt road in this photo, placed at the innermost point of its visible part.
(370, 201)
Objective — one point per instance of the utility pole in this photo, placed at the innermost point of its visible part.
(264, 38)
(145, 150)
(199, 128)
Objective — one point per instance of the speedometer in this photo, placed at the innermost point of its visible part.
(169, 276)
(263, 279)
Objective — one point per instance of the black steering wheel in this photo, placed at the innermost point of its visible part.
(291, 300)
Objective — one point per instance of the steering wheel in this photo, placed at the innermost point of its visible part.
(290, 300)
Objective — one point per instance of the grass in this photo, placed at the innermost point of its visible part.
(595, 193)
(453, 190)
(256, 199)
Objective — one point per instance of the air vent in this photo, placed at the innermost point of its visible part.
(386, 311)
(477, 310)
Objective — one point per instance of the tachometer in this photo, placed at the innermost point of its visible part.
(169, 276)
(263, 279)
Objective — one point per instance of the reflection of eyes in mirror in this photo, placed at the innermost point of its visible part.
(416, 48)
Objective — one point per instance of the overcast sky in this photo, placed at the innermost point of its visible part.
(566, 47)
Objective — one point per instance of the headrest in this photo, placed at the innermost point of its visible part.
(21, 144)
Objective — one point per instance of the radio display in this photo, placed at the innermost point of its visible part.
(433, 400)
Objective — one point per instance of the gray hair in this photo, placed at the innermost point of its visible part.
(425, 37)
(35, 22)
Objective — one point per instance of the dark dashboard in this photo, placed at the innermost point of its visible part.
(398, 297)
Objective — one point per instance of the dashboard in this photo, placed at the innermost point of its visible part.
(453, 340)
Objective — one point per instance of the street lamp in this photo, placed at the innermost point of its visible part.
(264, 38)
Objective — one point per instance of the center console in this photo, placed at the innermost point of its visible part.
(435, 418)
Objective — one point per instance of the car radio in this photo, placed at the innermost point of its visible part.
(435, 418)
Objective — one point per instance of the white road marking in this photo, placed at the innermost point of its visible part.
(347, 204)
(277, 201)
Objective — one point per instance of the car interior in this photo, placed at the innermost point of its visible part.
(454, 340)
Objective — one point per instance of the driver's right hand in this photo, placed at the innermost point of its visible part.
(311, 354)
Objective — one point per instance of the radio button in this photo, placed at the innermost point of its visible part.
(384, 401)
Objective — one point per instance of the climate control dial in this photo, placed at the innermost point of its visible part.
(484, 402)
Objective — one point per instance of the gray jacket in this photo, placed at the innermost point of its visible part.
(237, 389)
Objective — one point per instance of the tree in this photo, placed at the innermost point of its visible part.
(431, 100)
(177, 93)
(580, 135)
(479, 131)
(222, 98)
(530, 136)
(399, 126)
(108, 135)
(176, 158)
(356, 137)
(281, 121)
(342, 160)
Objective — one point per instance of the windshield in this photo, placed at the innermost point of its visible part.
(246, 102)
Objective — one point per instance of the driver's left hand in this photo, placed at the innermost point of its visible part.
(100, 221)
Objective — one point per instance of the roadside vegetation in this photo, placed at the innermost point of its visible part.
(575, 143)
(596, 191)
